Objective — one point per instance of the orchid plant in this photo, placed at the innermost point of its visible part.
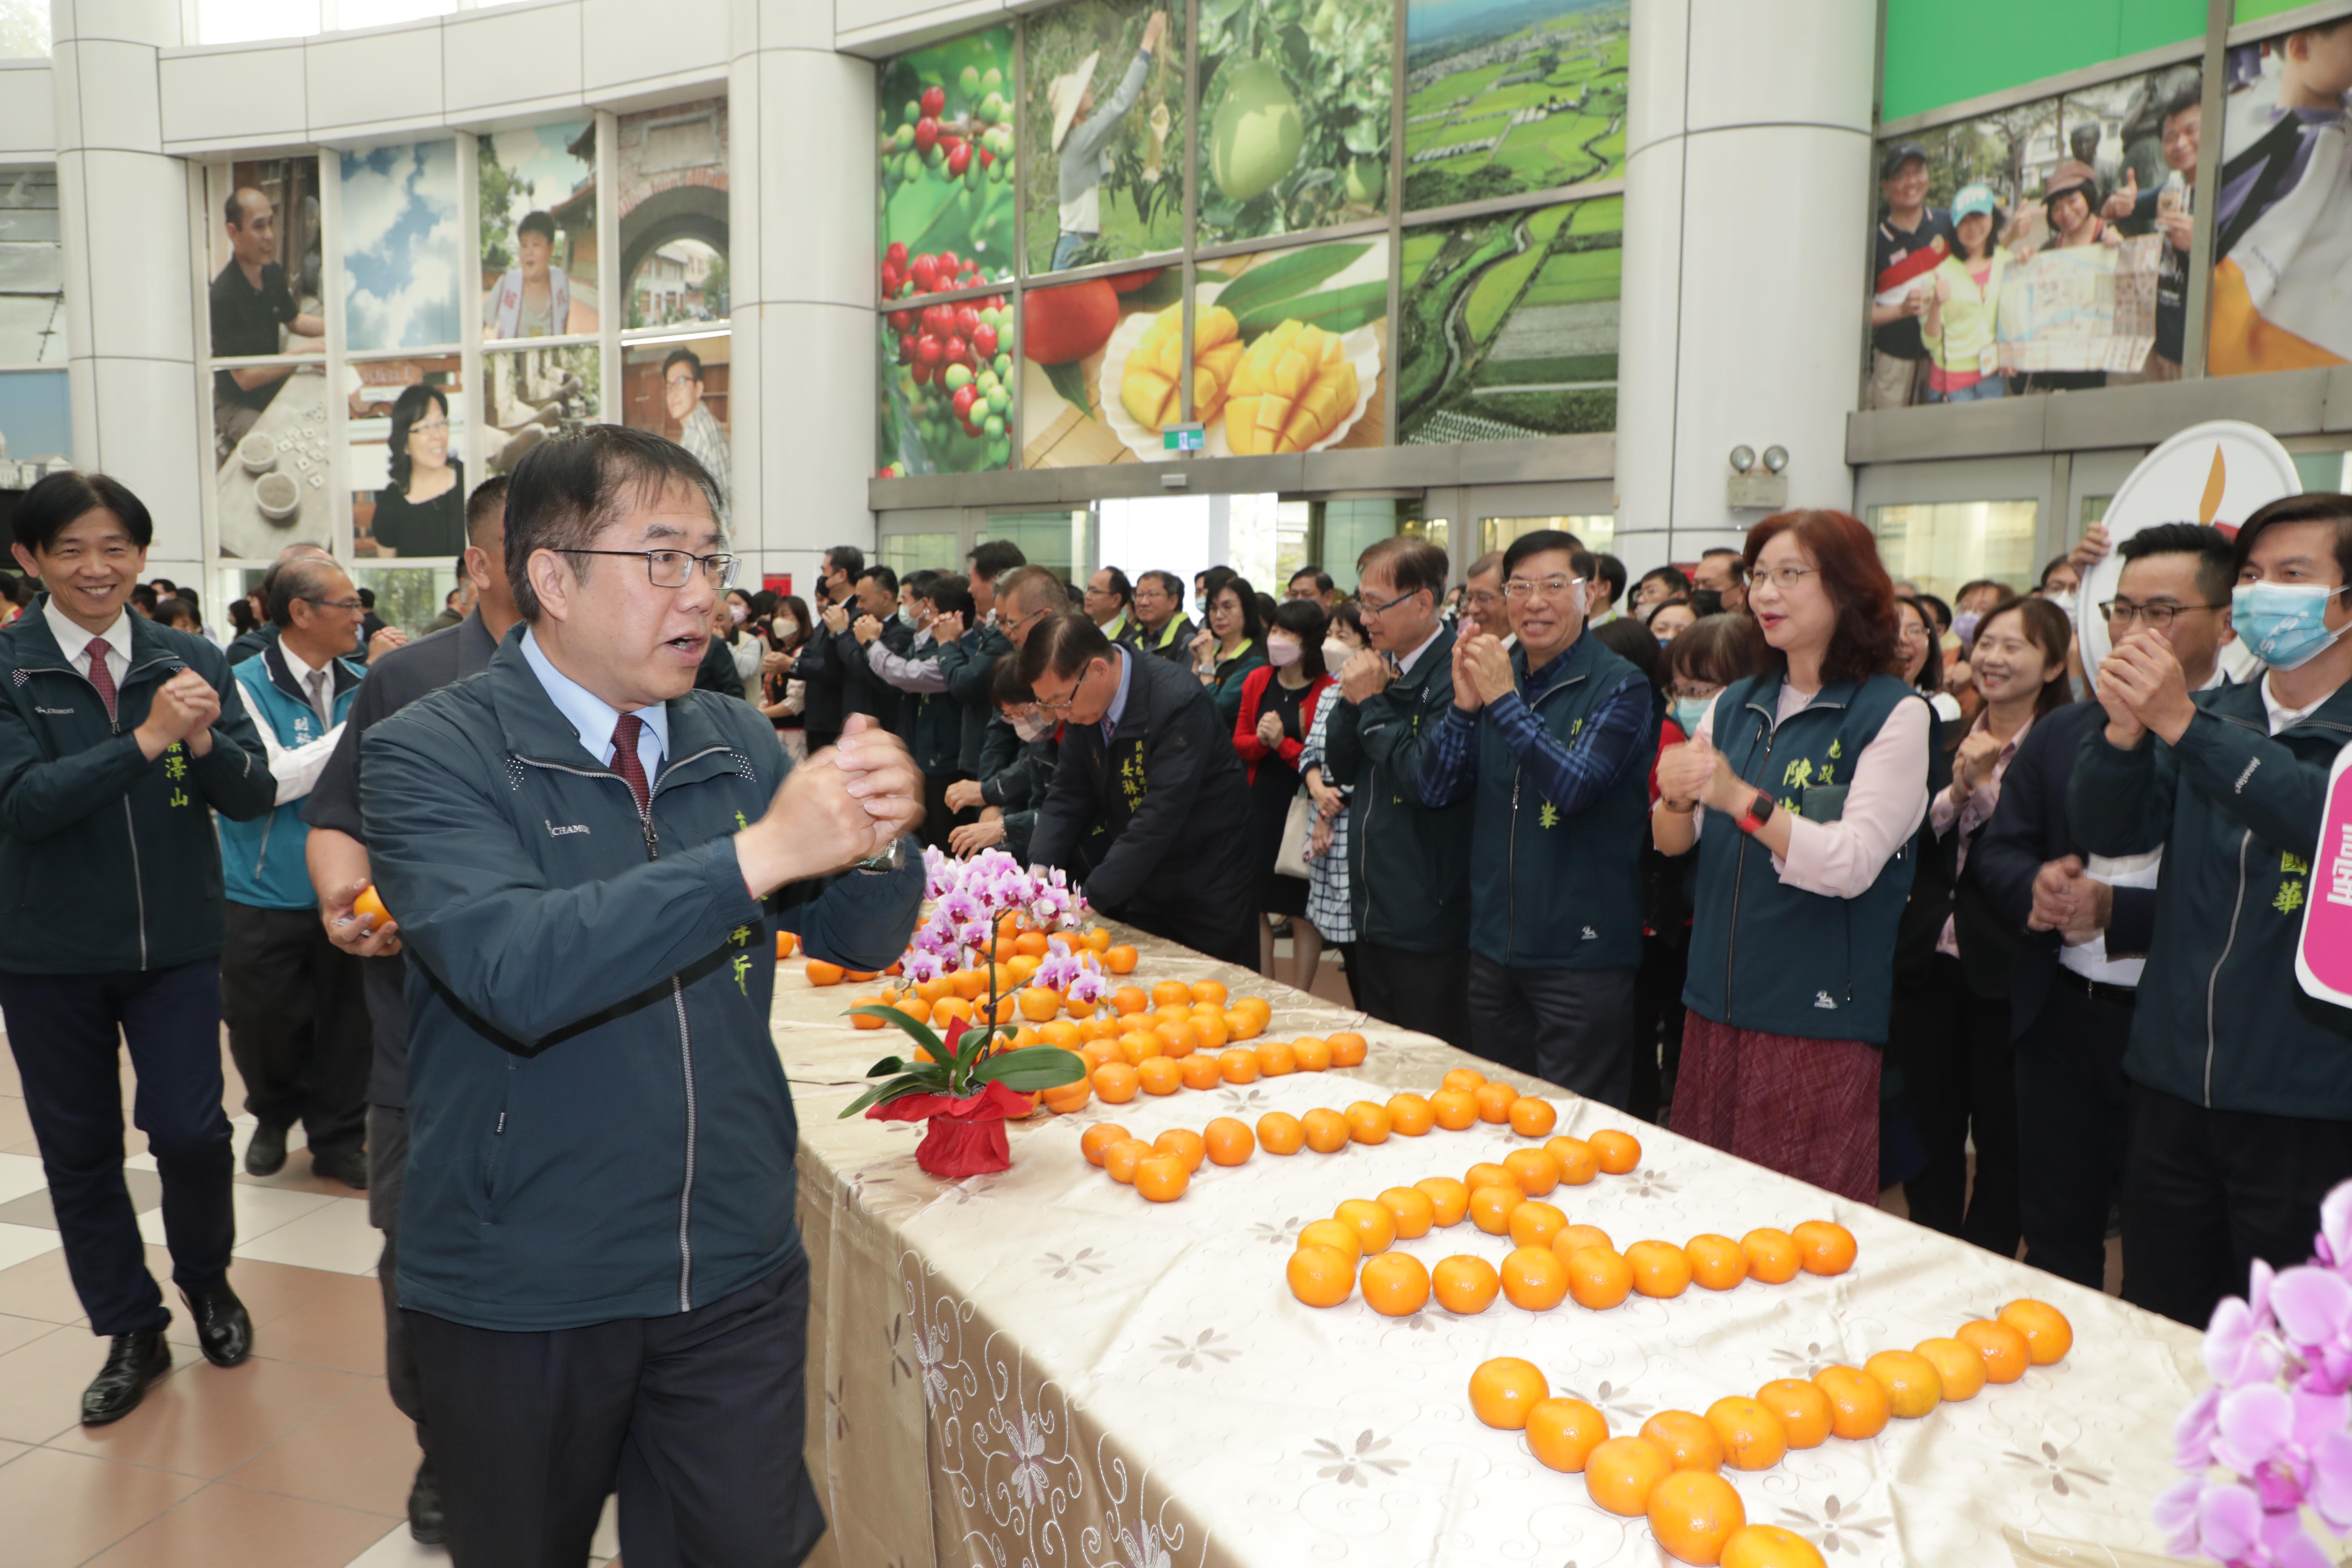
(2266, 1446)
(970, 899)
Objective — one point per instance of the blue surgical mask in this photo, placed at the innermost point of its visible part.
(1689, 710)
(2285, 623)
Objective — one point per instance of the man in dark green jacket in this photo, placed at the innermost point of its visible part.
(598, 1256)
(119, 739)
(1409, 859)
(2241, 1083)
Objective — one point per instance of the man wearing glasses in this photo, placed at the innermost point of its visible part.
(1482, 605)
(588, 861)
(2088, 918)
(699, 430)
(295, 1003)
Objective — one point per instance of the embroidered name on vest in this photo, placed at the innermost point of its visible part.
(53, 712)
(2239, 787)
(555, 832)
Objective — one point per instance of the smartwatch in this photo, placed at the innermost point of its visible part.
(1759, 811)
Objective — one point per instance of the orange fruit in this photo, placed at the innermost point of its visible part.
(1536, 1171)
(1622, 1472)
(1241, 1025)
(1135, 1047)
(1275, 1059)
(822, 974)
(1129, 999)
(1198, 1072)
(1463, 1080)
(968, 983)
(1347, 1050)
(1562, 1433)
(1311, 1054)
(1753, 1437)
(1618, 1152)
(1327, 1130)
(1858, 1405)
(1098, 939)
(1062, 1034)
(1504, 1389)
(1006, 1004)
(1321, 1277)
(1209, 990)
(1958, 1366)
(1097, 1053)
(1022, 1038)
(936, 990)
(1336, 1234)
(1395, 1284)
(1278, 1133)
(1022, 967)
(1689, 1440)
(1494, 1101)
(368, 903)
(1465, 1284)
(2048, 1335)
(1768, 1546)
(1367, 1124)
(1454, 1109)
(1099, 1137)
(1491, 1206)
(1121, 1158)
(1718, 1262)
(1212, 1032)
(1410, 1115)
(863, 1020)
(1116, 1082)
(1573, 1239)
(1449, 1198)
(1185, 1144)
(1372, 1223)
(1238, 1066)
(1532, 1118)
(1162, 1178)
(1486, 1173)
(1069, 1097)
(1068, 940)
(1257, 1006)
(1178, 1037)
(1534, 1223)
(1825, 1246)
(1412, 1210)
(1159, 1075)
(1578, 1163)
(2003, 1347)
(1693, 1513)
(1120, 960)
(1534, 1279)
(1772, 1254)
(1802, 1407)
(1659, 1268)
(1228, 1141)
(1169, 991)
(1597, 1278)
(1913, 1385)
(1038, 1004)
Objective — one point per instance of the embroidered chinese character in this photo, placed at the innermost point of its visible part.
(742, 969)
(2290, 898)
(740, 822)
(1799, 773)
(179, 797)
(176, 767)
(1549, 817)
(1827, 776)
(740, 936)
(1837, 750)
(2294, 866)
(1793, 808)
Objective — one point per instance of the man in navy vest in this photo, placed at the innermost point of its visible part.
(1556, 737)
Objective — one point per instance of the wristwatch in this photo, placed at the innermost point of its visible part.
(1759, 811)
(891, 860)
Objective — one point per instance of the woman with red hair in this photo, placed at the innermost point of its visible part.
(1803, 791)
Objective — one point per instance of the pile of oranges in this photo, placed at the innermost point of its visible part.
(1669, 1471)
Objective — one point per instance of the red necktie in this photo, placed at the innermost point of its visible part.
(101, 677)
(625, 761)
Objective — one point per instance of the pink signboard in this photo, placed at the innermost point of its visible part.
(2323, 959)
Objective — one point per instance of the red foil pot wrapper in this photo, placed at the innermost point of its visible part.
(964, 1137)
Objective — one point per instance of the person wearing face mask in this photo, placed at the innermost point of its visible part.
(1974, 599)
(823, 673)
(1278, 705)
(783, 696)
(2240, 1098)
(1330, 906)
(1016, 782)
(930, 721)
(1671, 620)
(741, 646)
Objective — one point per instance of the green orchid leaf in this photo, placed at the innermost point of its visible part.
(1287, 276)
(917, 1082)
(1340, 310)
(1033, 1067)
(920, 1032)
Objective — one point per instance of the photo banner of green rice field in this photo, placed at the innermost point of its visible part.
(943, 388)
(945, 165)
(1102, 368)
(1294, 131)
(1103, 119)
(1505, 97)
(1509, 324)
(1289, 350)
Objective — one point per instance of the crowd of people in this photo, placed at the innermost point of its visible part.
(1815, 867)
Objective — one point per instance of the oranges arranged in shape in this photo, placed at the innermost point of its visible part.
(1395, 1285)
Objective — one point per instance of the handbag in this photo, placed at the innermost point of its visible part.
(1297, 832)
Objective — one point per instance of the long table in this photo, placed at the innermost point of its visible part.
(1039, 1367)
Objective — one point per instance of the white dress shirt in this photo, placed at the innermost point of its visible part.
(76, 643)
(297, 768)
(592, 718)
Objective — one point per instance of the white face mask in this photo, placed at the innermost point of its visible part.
(786, 627)
(1032, 726)
(737, 613)
(1284, 652)
(1335, 654)
(2062, 597)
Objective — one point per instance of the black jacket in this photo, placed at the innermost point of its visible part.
(716, 672)
(1408, 864)
(969, 664)
(2030, 828)
(1167, 797)
(823, 675)
(247, 644)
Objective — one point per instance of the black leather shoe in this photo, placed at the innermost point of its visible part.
(266, 1155)
(348, 1166)
(134, 1363)
(224, 1332)
(425, 1524)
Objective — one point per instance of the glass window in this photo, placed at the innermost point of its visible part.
(672, 173)
(24, 29)
(32, 262)
(35, 427)
(679, 387)
(2323, 470)
(242, 21)
(1597, 529)
(2094, 509)
(408, 597)
(538, 194)
(400, 245)
(1048, 539)
(406, 424)
(905, 553)
(529, 394)
(1939, 546)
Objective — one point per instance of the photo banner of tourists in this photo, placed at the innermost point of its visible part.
(539, 231)
(1102, 368)
(671, 166)
(1295, 110)
(2282, 225)
(1503, 97)
(405, 427)
(1290, 349)
(32, 269)
(1104, 124)
(1968, 298)
(401, 243)
(946, 168)
(529, 394)
(35, 427)
(680, 389)
(944, 388)
(1509, 325)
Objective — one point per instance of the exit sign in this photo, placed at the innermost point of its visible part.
(1182, 438)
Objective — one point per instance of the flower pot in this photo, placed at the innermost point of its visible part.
(961, 1137)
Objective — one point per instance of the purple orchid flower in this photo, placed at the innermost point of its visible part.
(2314, 1308)
(1059, 970)
(2193, 1433)
(2278, 1442)
(921, 966)
(2333, 1243)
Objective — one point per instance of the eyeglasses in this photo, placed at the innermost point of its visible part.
(672, 568)
(354, 605)
(680, 380)
(2123, 613)
(1786, 578)
(1486, 598)
(1549, 588)
(1369, 606)
(427, 427)
(1058, 704)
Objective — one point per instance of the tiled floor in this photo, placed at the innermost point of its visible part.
(296, 1459)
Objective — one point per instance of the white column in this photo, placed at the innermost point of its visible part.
(1746, 206)
(802, 231)
(130, 312)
